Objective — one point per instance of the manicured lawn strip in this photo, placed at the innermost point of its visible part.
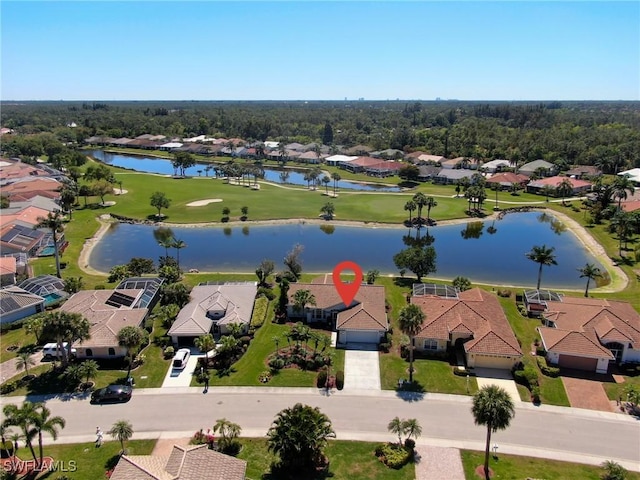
(551, 389)
(91, 463)
(152, 372)
(15, 337)
(348, 461)
(517, 467)
(617, 390)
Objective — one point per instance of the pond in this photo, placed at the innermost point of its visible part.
(163, 166)
(485, 252)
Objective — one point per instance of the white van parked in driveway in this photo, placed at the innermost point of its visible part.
(181, 358)
(50, 350)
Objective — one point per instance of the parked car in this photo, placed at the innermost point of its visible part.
(112, 393)
(181, 358)
(50, 350)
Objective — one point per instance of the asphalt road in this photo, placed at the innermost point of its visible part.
(550, 432)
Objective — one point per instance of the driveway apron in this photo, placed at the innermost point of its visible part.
(362, 370)
(501, 378)
(587, 394)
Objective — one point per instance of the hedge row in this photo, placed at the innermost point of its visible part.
(259, 312)
(546, 369)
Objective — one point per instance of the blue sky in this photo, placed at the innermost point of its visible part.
(199, 50)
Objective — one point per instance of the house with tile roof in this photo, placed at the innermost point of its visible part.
(590, 333)
(108, 312)
(506, 180)
(531, 168)
(196, 462)
(472, 320)
(212, 308)
(579, 187)
(16, 304)
(362, 321)
(8, 271)
(27, 188)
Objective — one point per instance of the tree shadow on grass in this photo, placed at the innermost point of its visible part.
(411, 392)
(404, 282)
(225, 372)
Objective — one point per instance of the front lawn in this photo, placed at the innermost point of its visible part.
(12, 338)
(348, 461)
(516, 467)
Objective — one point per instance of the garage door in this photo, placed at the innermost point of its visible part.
(578, 363)
(489, 361)
(362, 336)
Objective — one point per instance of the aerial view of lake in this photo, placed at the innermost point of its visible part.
(164, 167)
(483, 251)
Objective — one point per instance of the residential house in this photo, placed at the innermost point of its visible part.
(212, 308)
(362, 321)
(633, 174)
(494, 166)
(311, 157)
(538, 166)
(450, 163)
(506, 180)
(49, 287)
(108, 312)
(590, 333)
(584, 171)
(339, 160)
(472, 320)
(579, 187)
(360, 164)
(194, 462)
(451, 177)
(28, 216)
(26, 188)
(15, 238)
(358, 150)
(384, 169)
(16, 304)
(428, 172)
(389, 153)
(8, 271)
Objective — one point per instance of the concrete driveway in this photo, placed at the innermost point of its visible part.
(501, 378)
(182, 378)
(362, 370)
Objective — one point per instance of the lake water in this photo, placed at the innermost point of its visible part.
(164, 167)
(468, 250)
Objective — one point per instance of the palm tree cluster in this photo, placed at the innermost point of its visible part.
(298, 351)
(401, 427)
(66, 327)
(32, 419)
(229, 433)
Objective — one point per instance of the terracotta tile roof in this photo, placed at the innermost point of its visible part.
(556, 181)
(597, 316)
(29, 215)
(7, 265)
(507, 178)
(366, 312)
(106, 320)
(476, 311)
(631, 206)
(569, 342)
(184, 463)
(365, 161)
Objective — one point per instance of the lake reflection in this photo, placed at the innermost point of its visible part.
(483, 251)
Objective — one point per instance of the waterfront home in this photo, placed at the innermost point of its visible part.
(472, 321)
(212, 308)
(16, 304)
(579, 187)
(538, 167)
(8, 270)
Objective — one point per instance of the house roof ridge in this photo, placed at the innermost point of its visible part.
(139, 466)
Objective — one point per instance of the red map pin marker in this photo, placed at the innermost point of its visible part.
(347, 291)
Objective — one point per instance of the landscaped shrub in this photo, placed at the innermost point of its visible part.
(393, 455)
(259, 312)
(245, 340)
(540, 351)
(546, 369)
(535, 395)
(339, 379)
(277, 363)
(410, 443)
(523, 310)
(264, 377)
(268, 293)
(321, 379)
(531, 374)
(169, 352)
(506, 293)
(7, 387)
(100, 287)
(461, 371)
(384, 347)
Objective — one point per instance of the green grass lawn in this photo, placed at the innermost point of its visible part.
(516, 468)
(83, 461)
(18, 337)
(348, 461)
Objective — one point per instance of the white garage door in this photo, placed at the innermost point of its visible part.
(362, 336)
(490, 361)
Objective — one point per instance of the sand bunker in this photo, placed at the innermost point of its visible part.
(202, 203)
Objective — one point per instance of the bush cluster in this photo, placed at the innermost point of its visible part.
(321, 379)
(546, 369)
(393, 455)
(339, 379)
(259, 312)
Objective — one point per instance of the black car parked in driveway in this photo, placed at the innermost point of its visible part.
(112, 393)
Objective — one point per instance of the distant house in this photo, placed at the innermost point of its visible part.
(26, 188)
(452, 176)
(494, 166)
(389, 153)
(428, 172)
(363, 321)
(506, 180)
(15, 238)
(450, 163)
(50, 287)
(16, 304)
(8, 272)
(472, 320)
(582, 171)
(531, 168)
(590, 333)
(358, 150)
(212, 308)
(633, 174)
(195, 462)
(339, 160)
(311, 157)
(360, 164)
(579, 187)
(384, 169)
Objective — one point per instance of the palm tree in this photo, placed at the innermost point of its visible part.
(4, 431)
(336, 178)
(397, 427)
(88, 370)
(276, 340)
(565, 189)
(53, 221)
(66, 327)
(328, 209)
(299, 435)
(412, 428)
(131, 338)
(24, 360)
(493, 407)
(205, 343)
(410, 206)
(44, 422)
(613, 471)
(548, 190)
(431, 202)
(178, 245)
(411, 319)
(229, 431)
(621, 185)
(284, 176)
(122, 431)
(420, 200)
(622, 224)
(591, 272)
(301, 299)
(22, 417)
(543, 256)
(326, 180)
